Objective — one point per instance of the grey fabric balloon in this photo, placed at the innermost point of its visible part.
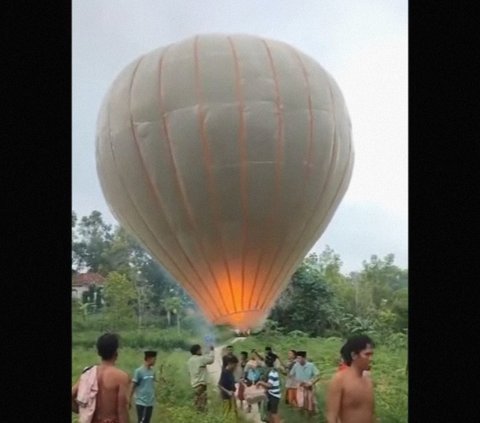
(226, 156)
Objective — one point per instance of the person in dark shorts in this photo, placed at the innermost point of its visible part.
(227, 386)
(273, 389)
(144, 388)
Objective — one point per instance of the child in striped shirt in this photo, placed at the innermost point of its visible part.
(273, 389)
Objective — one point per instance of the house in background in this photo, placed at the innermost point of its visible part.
(81, 283)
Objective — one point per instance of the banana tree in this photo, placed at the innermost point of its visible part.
(173, 305)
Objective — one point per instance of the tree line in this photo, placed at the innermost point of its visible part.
(319, 301)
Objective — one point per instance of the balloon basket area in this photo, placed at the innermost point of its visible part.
(242, 321)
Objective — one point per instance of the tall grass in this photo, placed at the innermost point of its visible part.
(166, 339)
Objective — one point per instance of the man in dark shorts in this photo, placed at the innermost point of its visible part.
(273, 389)
(143, 385)
(227, 386)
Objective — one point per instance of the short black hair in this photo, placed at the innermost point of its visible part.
(270, 360)
(195, 349)
(268, 348)
(355, 344)
(107, 345)
(294, 352)
(244, 353)
(230, 346)
(149, 354)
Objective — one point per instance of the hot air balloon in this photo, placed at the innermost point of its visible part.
(226, 156)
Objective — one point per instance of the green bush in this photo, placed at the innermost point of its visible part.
(160, 339)
(297, 334)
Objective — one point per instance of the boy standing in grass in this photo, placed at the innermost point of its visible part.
(144, 388)
(227, 386)
(273, 389)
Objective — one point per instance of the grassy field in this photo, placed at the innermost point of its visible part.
(174, 398)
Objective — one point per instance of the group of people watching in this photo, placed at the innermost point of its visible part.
(255, 379)
(263, 379)
(104, 393)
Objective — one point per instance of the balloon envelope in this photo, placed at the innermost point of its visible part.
(226, 156)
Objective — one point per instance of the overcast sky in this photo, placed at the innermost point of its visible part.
(363, 44)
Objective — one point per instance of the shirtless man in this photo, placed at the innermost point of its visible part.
(113, 384)
(350, 395)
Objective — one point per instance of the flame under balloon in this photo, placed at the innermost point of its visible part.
(226, 156)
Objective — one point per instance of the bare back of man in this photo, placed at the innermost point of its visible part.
(350, 398)
(112, 396)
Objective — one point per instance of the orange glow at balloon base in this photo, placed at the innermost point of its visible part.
(242, 320)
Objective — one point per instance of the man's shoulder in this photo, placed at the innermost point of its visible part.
(116, 375)
(338, 379)
(121, 374)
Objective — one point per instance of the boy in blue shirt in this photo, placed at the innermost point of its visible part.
(144, 388)
(273, 389)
